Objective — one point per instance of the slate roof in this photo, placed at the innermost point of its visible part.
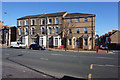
(43, 15)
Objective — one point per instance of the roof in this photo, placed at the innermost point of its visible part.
(43, 15)
(79, 15)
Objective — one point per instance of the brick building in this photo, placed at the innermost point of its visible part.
(49, 30)
(4, 34)
(114, 39)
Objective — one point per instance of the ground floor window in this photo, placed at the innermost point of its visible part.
(86, 42)
(41, 41)
(70, 43)
(56, 41)
(33, 41)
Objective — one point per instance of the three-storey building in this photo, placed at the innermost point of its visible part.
(47, 29)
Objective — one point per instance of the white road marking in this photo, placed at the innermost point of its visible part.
(43, 58)
(104, 57)
(56, 54)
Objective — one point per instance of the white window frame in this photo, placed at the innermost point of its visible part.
(42, 21)
(20, 23)
(34, 22)
(26, 31)
(25, 22)
(31, 30)
(56, 20)
(20, 32)
(48, 21)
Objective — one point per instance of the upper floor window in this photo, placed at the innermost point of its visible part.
(33, 31)
(33, 22)
(43, 21)
(85, 30)
(70, 30)
(20, 23)
(70, 20)
(20, 31)
(57, 20)
(57, 30)
(43, 31)
(50, 30)
(78, 19)
(26, 31)
(85, 19)
(26, 22)
(78, 31)
(50, 21)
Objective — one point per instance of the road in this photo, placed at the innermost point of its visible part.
(60, 64)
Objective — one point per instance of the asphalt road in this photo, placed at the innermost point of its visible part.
(59, 63)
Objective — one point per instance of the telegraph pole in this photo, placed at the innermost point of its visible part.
(29, 31)
(47, 43)
(92, 33)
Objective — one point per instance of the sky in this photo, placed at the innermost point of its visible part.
(106, 12)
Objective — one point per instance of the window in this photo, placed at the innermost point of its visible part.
(33, 31)
(86, 42)
(85, 30)
(77, 43)
(57, 30)
(33, 41)
(33, 22)
(78, 20)
(26, 22)
(50, 30)
(20, 23)
(26, 31)
(50, 21)
(56, 41)
(20, 31)
(43, 31)
(43, 21)
(86, 19)
(42, 41)
(70, 30)
(70, 20)
(70, 43)
(57, 20)
(78, 31)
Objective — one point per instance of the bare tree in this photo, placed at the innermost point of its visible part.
(65, 32)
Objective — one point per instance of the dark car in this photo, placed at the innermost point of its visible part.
(36, 46)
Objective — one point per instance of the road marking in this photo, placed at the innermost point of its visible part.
(105, 57)
(107, 65)
(56, 54)
(89, 76)
(44, 59)
(91, 66)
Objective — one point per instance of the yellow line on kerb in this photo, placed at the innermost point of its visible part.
(91, 66)
(89, 76)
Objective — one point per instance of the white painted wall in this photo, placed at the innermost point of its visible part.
(44, 40)
(59, 41)
(26, 40)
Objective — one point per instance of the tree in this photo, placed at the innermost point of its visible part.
(65, 32)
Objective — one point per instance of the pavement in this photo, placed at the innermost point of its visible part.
(59, 64)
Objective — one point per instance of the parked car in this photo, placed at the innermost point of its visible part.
(17, 45)
(104, 46)
(36, 46)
